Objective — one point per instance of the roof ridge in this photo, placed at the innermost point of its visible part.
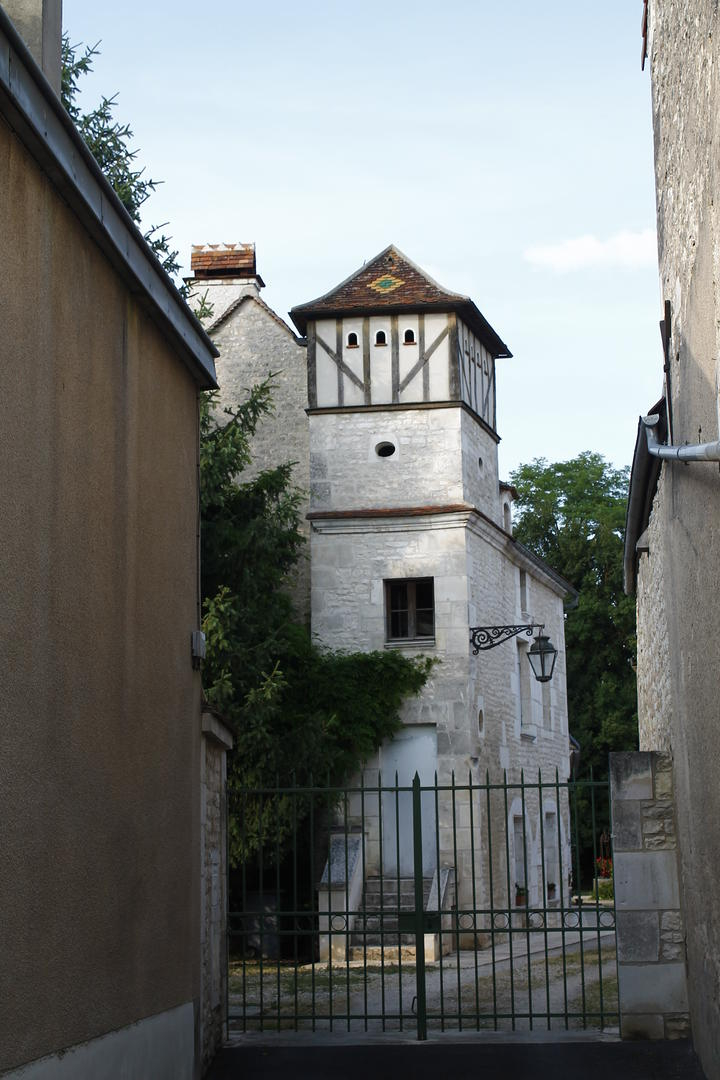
(239, 301)
(376, 258)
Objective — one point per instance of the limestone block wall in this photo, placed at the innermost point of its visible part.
(650, 931)
(524, 723)
(471, 702)
(425, 469)
(654, 683)
(480, 467)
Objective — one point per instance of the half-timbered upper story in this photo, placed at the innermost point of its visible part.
(389, 334)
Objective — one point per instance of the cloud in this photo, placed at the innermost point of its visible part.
(628, 250)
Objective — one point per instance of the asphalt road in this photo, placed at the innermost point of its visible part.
(438, 1060)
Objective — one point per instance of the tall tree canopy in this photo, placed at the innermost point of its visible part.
(109, 141)
(572, 514)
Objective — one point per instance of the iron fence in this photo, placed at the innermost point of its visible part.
(391, 907)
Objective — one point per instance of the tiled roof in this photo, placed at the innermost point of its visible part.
(391, 283)
(223, 260)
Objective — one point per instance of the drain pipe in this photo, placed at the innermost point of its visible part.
(709, 451)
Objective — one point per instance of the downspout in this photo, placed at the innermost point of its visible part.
(709, 451)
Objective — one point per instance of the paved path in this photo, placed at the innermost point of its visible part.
(485, 1059)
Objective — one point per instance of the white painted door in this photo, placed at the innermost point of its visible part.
(413, 749)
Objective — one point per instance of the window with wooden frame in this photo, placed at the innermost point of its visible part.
(409, 610)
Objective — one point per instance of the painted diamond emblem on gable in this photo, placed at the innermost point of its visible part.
(385, 283)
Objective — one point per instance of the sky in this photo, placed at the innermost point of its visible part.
(504, 147)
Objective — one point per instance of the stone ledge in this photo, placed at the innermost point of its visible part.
(214, 729)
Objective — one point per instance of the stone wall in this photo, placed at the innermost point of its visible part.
(650, 932)
(654, 669)
(216, 743)
(679, 578)
(254, 342)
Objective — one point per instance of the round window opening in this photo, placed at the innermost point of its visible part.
(385, 449)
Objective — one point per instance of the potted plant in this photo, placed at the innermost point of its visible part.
(521, 895)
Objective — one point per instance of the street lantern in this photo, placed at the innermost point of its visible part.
(542, 654)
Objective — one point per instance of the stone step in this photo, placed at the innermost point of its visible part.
(368, 922)
(375, 955)
(374, 899)
(378, 941)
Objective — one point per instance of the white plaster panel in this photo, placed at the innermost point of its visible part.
(352, 326)
(408, 358)
(326, 369)
(380, 361)
(439, 361)
(353, 359)
(477, 374)
(352, 393)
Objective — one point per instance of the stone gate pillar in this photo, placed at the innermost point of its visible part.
(650, 932)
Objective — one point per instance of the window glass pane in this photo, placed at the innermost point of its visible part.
(424, 623)
(424, 593)
(398, 595)
(398, 608)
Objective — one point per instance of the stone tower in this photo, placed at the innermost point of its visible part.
(411, 536)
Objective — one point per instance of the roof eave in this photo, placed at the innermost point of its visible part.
(37, 116)
(643, 484)
(303, 314)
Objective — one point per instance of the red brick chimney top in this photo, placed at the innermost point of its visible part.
(224, 261)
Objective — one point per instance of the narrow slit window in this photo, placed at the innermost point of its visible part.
(352, 340)
(409, 337)
(381, 338)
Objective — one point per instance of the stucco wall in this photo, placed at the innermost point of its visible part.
(684, 535)
(99, 770)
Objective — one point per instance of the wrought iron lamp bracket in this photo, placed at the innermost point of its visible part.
(487, 637)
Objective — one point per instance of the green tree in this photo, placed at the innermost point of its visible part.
(109, 141)
(572, 514)
(299, 711)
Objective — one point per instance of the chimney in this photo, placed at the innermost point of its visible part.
(39, 23)
(227, 262)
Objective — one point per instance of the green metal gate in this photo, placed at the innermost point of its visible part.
(505, 921)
